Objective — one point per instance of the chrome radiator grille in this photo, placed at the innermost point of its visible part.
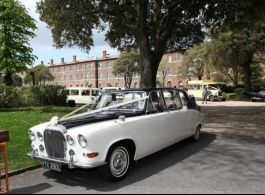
(54, 144)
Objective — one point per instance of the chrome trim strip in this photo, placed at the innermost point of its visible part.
(70, 164)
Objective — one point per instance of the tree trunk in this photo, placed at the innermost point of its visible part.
(247, 77)
(150, 64)
(8, 79)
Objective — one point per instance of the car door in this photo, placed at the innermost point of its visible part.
(179, 114)
(153, 131)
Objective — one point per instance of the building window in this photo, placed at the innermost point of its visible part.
(108, 64)
(180, 56)
(100, 76)
(65, 79)
(86, 66)
(169, 71)
(108, 75)
(86, 76)
(189, 71)
(77, 77)
(169, 58)
(64, 69)
(54, 70)
(59, 69)
(82, 77)
(71, 69)
(71, 78)
(136, 86)
(169, 84)
(76, 67)
(91, 66)
(99, 65)
(91, 76)
(59, 79)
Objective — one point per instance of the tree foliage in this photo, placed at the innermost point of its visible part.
(163, 68)
(16, 27)
(196, 62)
(42, 75)
(153, 26)
(239, 48)
(126, 66)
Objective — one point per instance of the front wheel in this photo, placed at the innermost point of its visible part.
(196, 137)
(118, 164)
(211, 98)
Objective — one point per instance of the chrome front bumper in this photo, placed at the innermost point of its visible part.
(70, 163)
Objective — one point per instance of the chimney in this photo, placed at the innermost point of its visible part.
(104, 54)
(62, 61)
(42, 63)
(74, 58)
(51, 63)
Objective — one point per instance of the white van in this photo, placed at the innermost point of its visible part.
(83, 95)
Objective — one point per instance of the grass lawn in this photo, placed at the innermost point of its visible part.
(18, 122)
(236, 97)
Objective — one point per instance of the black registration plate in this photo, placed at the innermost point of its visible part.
(52, 166)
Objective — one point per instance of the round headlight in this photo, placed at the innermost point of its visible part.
(31, 135)
(40, 136)
(70, 140)
(82, 141)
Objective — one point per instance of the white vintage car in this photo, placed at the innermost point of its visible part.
(121, 128)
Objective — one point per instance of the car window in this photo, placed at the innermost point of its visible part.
(172, 99)
(185, 100)
(156, 102)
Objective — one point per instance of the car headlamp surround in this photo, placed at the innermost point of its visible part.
(70, 140)
(31, 135)
(40, 136)
(82, 141)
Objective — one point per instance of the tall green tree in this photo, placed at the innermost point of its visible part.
(153, 26)
(241, 47)
(224, 59)
(126, 66)
(16, 28)
(163, 68)
(41, 74)
(195, 62)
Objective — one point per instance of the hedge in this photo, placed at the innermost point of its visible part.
(41, 95)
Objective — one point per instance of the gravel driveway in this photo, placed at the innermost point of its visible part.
(235, 118)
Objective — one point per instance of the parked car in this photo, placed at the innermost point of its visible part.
(122, 127)
(215, 92)
(83, 95)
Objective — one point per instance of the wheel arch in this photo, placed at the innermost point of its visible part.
(125, 142)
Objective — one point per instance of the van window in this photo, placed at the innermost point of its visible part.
(74, 92)
(95, 93)
(85, 93)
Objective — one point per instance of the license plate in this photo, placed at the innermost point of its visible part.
(52, 166)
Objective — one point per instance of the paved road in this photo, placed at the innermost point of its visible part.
(219, 163)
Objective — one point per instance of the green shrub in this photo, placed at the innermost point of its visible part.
(239, 91)
(42, 95)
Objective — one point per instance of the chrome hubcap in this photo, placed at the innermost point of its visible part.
(119, 162)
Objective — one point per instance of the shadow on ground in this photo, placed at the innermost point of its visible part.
(146, 167)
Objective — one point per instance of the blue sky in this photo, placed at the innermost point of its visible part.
(42, 44)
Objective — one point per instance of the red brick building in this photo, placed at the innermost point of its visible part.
(97, 72)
